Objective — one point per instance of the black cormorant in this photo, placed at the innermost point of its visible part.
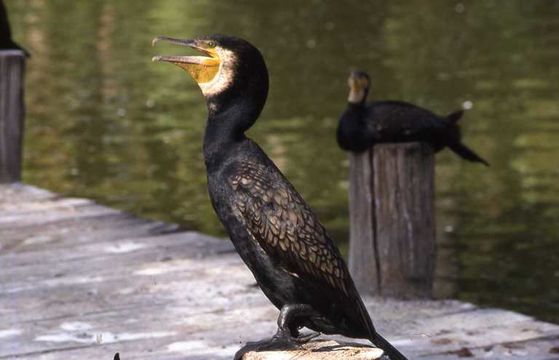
(275, 232)
(6, 41)
(363, 125)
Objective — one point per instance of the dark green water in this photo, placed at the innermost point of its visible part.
(107, 123)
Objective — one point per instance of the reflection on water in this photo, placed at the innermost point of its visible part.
(104, 122)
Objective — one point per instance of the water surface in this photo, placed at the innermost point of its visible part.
(105, 122)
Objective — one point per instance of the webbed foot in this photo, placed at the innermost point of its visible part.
(280, 341)
(292, 317)
(304, 338)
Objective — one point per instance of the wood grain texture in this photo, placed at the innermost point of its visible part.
(392, 213)
(82, 281)
(363, 261)
(12, 68)
(320, 350)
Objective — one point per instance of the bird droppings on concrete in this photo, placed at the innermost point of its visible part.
(6, 333)
(124, 247)
(92, 337)
(75, 326)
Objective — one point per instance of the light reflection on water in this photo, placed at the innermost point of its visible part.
(104, 122)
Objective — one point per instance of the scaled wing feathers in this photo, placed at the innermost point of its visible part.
(284, 225)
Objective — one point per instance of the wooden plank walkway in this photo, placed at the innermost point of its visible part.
(83, 281)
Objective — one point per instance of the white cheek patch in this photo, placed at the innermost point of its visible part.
(224, 77)
(356, 96)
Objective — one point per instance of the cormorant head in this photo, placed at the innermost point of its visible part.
(229, 71)
(359, 83)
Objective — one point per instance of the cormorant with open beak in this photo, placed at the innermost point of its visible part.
(362, 125)
(275, 232)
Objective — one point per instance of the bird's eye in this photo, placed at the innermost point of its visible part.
(211, 44)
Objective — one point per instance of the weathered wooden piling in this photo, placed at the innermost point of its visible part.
(12, 68)
(392, 225)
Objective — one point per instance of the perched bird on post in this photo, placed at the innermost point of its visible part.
(278, 236)
(362, 124)
(6, 41)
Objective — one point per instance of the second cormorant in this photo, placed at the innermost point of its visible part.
(278, 236)
(362, 125)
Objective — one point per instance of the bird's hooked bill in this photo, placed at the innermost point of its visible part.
(203, 68)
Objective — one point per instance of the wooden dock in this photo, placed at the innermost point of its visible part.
(83, 281)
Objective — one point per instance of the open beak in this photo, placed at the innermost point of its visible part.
(202, 68)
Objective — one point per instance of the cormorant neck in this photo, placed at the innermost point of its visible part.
(233, 108)
(356, 105)
(228, 119)
(354, 113)
(354, 110)
(358, 99)
(243, 109)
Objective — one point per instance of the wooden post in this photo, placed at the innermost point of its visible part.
(392, 235)
(12, 68)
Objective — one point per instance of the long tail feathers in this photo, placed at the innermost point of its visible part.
(467, 153)
(388, 349)
(455, 116)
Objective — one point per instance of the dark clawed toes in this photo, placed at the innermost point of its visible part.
(302, 339)
(280, 341)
